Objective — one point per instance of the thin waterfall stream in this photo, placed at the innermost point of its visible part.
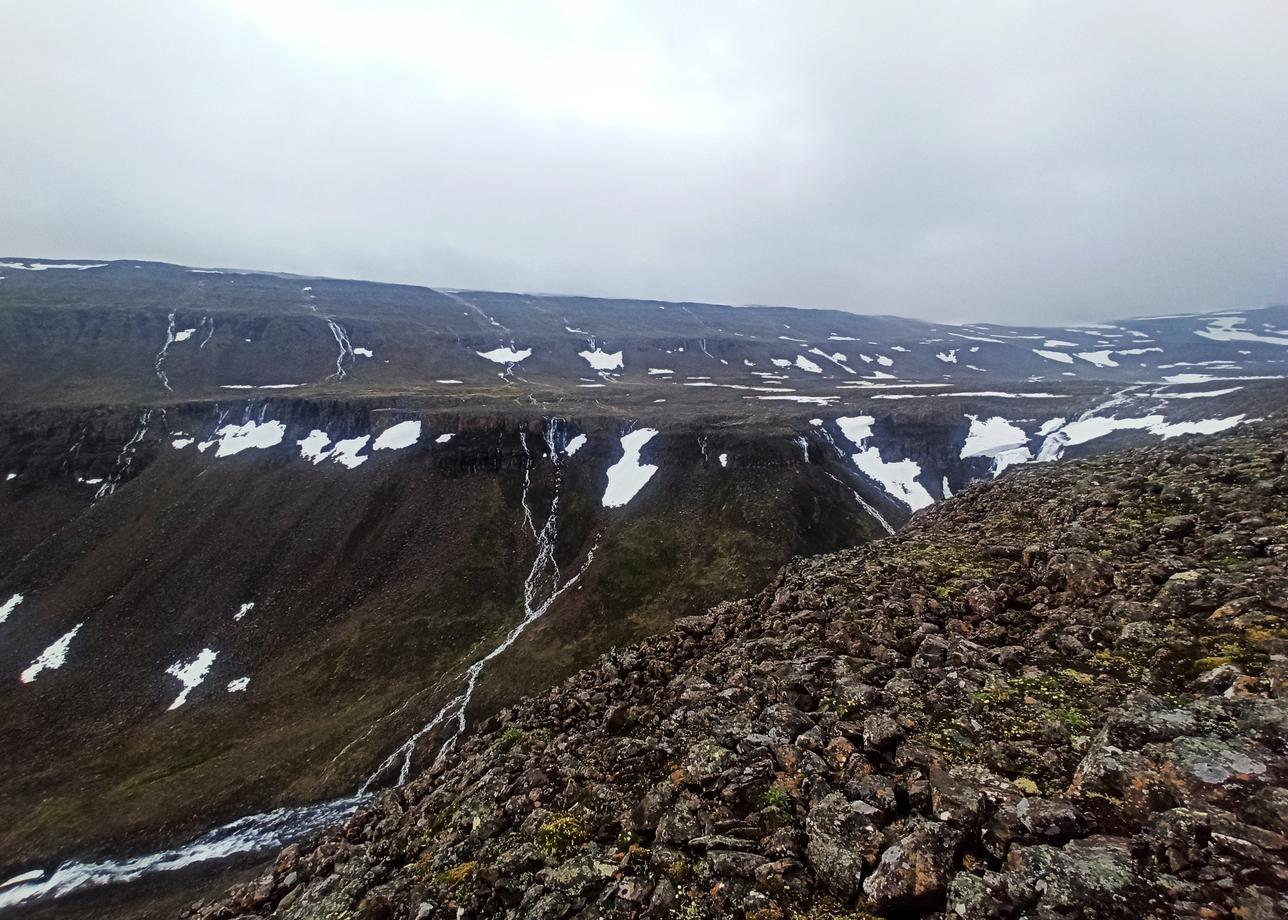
(543, 586)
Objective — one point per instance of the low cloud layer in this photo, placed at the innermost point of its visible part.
(1007, 161)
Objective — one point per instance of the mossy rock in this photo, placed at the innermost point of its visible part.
(459, 876)
(560, 836)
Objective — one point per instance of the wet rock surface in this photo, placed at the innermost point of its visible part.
(1060, 695)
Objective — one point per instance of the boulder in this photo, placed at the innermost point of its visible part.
(916, 869)
(843, 841)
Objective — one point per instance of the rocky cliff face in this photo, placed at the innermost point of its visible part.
(1062, 694)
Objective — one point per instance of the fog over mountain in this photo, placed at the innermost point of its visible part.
(1019, 163)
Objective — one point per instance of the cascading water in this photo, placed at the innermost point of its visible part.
(346, 349)
(249, 834)
(165, 347)
(267, 830)
(125, 459)
(541, 589)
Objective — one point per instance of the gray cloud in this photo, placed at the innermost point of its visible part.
(1019, 160)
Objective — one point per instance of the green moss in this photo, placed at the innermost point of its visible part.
(943, 563)
(1126, 663)
(952, 739)
(560, 836)
(1023, 711)
(844, 708)
(1227, 562)
(1100, 796)
(680, 871)
(459, 876)
(510, 737)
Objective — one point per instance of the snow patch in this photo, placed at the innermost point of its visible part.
(837, 358)
(574, 444)
(396, 437)
(627, 476)
(1003, 442)
(899, 478)
(346, 452)
(51, 658)
(505, 355)
(233, 439)
(1201, 394)
(1209, 378)
(1202, 426)
(265, 386)
(989, 437)
(1000, 394)
(1012, 457)
(45, 266)
(314, 449)
(1098, 358)
(9, 606)
(1224, 330)
(804, 400)
(1090, 427)
(191, 674)
(601, 360)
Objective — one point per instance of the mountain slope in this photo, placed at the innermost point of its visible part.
(273, 544)
(1061, 693)
(346, 602)
(153, 333)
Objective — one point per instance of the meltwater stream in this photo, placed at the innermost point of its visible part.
(270, 830)
(253, 833)
(541, 589)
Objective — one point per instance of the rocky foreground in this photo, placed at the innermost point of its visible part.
(1064, 694)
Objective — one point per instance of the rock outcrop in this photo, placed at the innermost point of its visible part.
(1063, 694)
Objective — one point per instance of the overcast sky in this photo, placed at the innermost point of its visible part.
(1005, 160)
